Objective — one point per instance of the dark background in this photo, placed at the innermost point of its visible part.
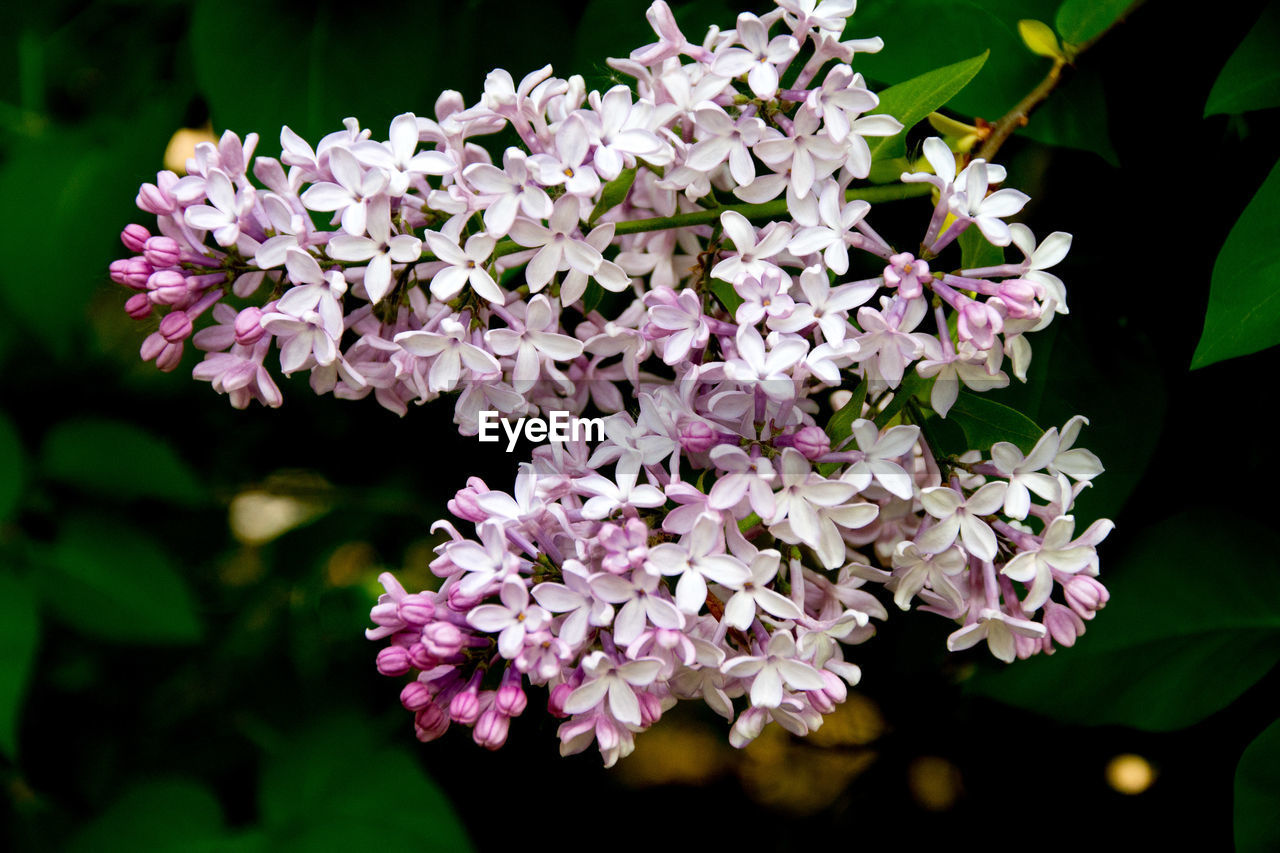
(224, 688)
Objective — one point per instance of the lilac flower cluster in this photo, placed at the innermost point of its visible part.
(720, 543)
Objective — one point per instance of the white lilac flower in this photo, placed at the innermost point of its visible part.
(381, 249)
(963, 517)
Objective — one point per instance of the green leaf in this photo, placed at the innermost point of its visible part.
(19, 635)
(1244, 297)
(317, 794)
(11, 467)
(613, 194)
(1251, 78)
(1171, 622)
(165, 816)
(976, 252)
(913, 386)
(118, 460)
(1257, 821)
(912, 101)
(113, 581)
(986, 422)
(1075, 116)
(1078, 21)
(840, 426)
(729, 298)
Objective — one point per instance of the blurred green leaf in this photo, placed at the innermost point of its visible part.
(1078, 21)
(1244, 297)
(1039, 38)
(976, 252)
(912, 101)
(1175, 644)
(113, 581)
(19, 636)
(986, 422)
(1257, 820)
(161, 816)
(11, 467)
(1251, 78)
(334, 787)
(118, 460)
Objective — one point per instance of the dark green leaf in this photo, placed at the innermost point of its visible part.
(19, 635)
(1075, 116)
(1171, 622)
(115, 582)
(118, 460)
(1251, 78)
(1078, 21)
(913, 386)
(169, 816)
(986, 422)
(976, 252)
(728, 297)
(614, 193)
(320, 792)
(1244, 297)
(11, 467)
(840, 426)
(591, 296)
(912, 101)
(1257, 792)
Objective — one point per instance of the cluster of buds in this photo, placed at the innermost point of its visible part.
(693, 259)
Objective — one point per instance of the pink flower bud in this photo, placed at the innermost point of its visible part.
(168, 287)
(430, 723)
(415, 609)
(555, 702)
(248, 326)
(415, 696)
(442, 639)
(421, 657)
(491, 729)
(162, 252)
(698, 437)
(812, 441)
(464, 504)
(138, 306)
(170, 357)
(979, 323)
(650, 708)
(511, 699)
(1018, 298)
(133, 237)
(394, 661)
(154, 200)
(1064, 624)
(1085, 595)
(136, 273)
(176, 326)
(1025, 647)
(465, 705)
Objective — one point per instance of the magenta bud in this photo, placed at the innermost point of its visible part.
(461, 602)
(1085, 595)
(415, 696)
(833, 689)
(249, 326)
(812, 441)
(1064, 624)
(421, 657)
(152, 346)
(1025, 647)
(442, 639)
(415, 609)
(118, 269)
(136, 273)
(154, 200)
(511, 700)
(491, 729)
(176, 326)
(465, 706)
(394, 661)
(170, 357)
(650, 708)
(138, 306)
(555, 702)
(162, 252)
(430, 723)
(698, 437)
(134, 237)
(465, 506)
(168, 287)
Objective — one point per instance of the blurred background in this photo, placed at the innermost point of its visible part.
(184, 587)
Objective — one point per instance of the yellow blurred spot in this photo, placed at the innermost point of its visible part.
(1130, 774)
(675, 753)
(790, 775)
(182, 146)
(258, 517)
(350, 564)
(935, 782)
(855, 723)
(959, 136)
